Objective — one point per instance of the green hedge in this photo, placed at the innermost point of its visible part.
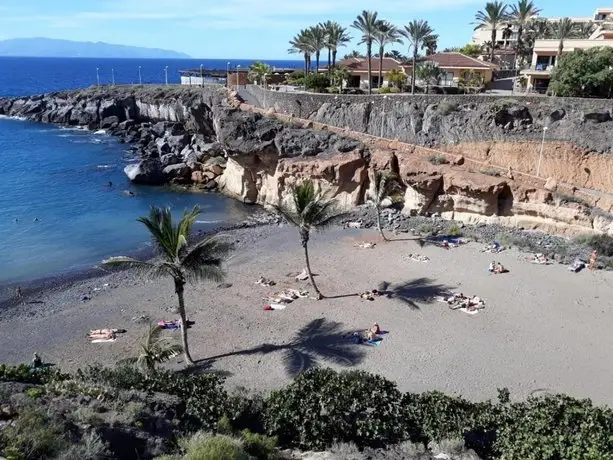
(322, 407)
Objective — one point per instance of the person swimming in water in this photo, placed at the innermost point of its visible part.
(110, 184)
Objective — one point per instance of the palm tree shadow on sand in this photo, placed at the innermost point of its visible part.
(422, 290)
(319, 340)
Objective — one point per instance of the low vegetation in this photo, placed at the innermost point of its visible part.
(563, 198)
(320, 409)
(438, 159)
(491, 172)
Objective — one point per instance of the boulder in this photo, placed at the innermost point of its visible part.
(458, 160)
(163, 147)
(170, 159)
(215, 161)
(178, 172)
(557, 114)
(147, 172)
(596, 117)
(159, 129)
(215, 169)
(109, 122)
(177, 143)
(551, 184)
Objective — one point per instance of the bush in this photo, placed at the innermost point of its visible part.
(490, 172)
(32, 435)
(209, 447)
(556, 427)
(603, 244)
(563, 198)
(454, 230)
(91, 447)
(317, 81)
(438, 159)
(446, 107)
(385, 90)
(25, 374)
(245, 410)
(206, 399)
(321, 407)
(259, 446)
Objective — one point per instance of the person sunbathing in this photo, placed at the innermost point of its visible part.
(492, 267)
(102, 334)
(499, 268)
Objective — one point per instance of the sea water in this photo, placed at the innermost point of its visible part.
(57, 211)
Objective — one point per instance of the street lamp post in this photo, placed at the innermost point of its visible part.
(140, 77)
(201, 75)
(238, 67)
(228, 74)
(98, 76)
(113, 77)
(166, 75)
(538, 166)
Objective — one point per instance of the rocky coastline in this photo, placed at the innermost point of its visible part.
(205, 138)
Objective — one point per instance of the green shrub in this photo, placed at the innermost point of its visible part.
(385, 90)
(438, 159)
(454, 230)
(564, 198)
(321, 407)
(25, 374)
(32, 435)
(258, 445)
(316, 81)
(425, 229)
(206, 399)
(490, 172)
(209, 447)
(556, 427)
(245, 410)
(434, 416)
(446, 107)
(394, 90)
(603, 244)
(91, 447)
(35, 393)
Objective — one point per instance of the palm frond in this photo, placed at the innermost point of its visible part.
(204, 260)
(288, 214)
(159, 224)
(151, 269)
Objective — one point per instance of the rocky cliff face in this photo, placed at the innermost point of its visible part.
(202, 137)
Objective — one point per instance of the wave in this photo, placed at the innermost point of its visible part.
(99, 132)
(106, 166)
(7, 117)
(209, 221)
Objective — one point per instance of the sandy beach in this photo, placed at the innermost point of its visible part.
(543, 328)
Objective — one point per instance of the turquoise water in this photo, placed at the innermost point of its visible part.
(57, 212)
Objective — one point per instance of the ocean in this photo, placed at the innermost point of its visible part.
(57, 213)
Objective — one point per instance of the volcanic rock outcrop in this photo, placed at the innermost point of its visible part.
(202, 137)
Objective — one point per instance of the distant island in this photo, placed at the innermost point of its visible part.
(49, 47)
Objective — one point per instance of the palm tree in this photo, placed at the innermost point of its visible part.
(563, 29)
(507, 32)
(417, 32)
(384, 185)
(339, 76)
(258, 71)
(317, 40)
(398, 77)
(179, 261)
(431, 44)
(155, 349)
(367, 24)
(395, 54)
(521, 14)
(302, 43)
(336, 37)
(386, 34)
(430, 73)
(491, 18)
(309, 210)
(584, 30)
(355, 54)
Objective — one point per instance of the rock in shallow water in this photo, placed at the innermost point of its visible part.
(148, 172)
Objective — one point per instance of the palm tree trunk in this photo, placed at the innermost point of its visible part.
(306, 64)
(329, 66)
(317, 54)
(334, 58)
(381, 66)
(379, 226)
(493, 45)
(179, 288)
(560, 49)
(369, 57)
(413, 70)
(305, 245)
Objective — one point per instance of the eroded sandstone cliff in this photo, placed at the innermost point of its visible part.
(202, 136)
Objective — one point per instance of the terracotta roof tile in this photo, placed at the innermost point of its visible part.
(361, 65)
(458, 61)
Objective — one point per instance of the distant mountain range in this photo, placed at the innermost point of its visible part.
(50, 47)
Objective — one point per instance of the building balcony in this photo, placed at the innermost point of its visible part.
(539, 69)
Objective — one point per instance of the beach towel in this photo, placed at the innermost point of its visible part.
(365, 245)
(470, 312)
(275, 306)
(103, 340)
(577, 266)
(169, 324)
(373, 343)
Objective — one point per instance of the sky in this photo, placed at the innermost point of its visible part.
(234, 29)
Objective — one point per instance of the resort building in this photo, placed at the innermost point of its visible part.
(545, 51)
(358, 71)
(460, 68)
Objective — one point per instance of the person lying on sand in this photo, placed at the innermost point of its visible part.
(104, 334)
(367, 296)
(499, 268)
